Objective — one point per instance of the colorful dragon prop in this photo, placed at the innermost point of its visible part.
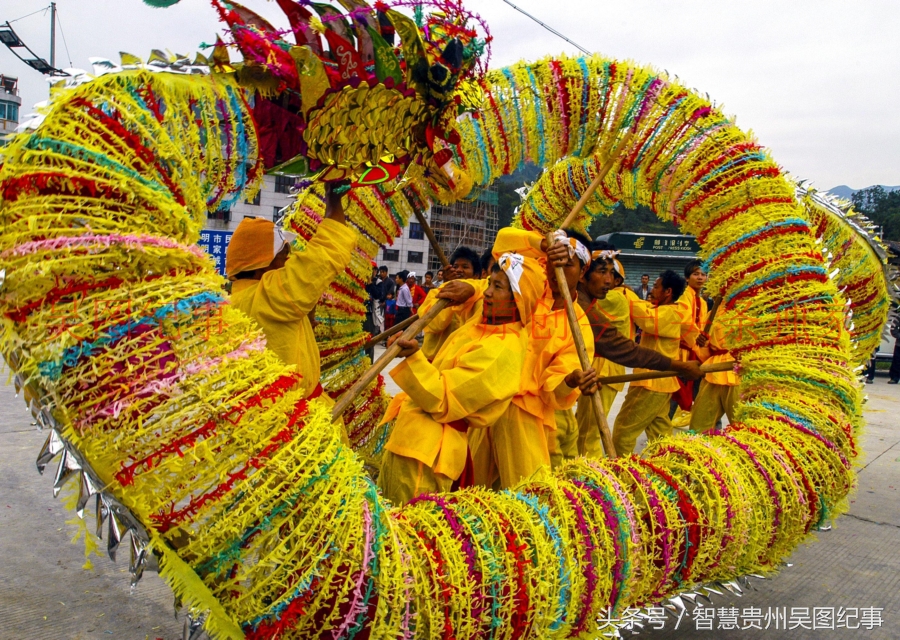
(183, 431)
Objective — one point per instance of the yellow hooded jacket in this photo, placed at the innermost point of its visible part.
(281, 300)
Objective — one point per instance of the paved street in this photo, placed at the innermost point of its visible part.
(46, 593)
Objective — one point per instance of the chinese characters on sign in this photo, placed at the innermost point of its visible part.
(215, 243)
(731, 618)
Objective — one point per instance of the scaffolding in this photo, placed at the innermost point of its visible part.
(472, 223)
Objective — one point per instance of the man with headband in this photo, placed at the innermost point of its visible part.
(465, 390)
(609, 312)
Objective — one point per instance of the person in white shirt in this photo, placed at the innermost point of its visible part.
(404, 298)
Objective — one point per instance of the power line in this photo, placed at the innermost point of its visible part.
(549, 28)
(65, 44)
(28, 16)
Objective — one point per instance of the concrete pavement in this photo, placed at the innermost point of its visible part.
(44, 592)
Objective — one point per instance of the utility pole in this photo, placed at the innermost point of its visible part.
(53, 34)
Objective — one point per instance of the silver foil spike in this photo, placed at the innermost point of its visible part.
(52, 446)
(136, 562)
(733, 587)
(68, 465)
(85, 491)
(115, 536)
(102, 514)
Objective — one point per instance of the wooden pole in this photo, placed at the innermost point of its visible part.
(397, 328)
(379, 338)
(653, 375)
(595, 183)
(712, 315)
(420, 216)
(350, 395)
(596, 403)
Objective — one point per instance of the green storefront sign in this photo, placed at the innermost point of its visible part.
(649, 244)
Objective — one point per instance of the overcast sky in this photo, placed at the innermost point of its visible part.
(818, 81)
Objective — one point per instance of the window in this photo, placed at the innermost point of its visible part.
(415, 231)
(255, 200)
(414, 257)
(220, 214)
(283, 184)
(9, 111)
(277, 214)
(392, 255)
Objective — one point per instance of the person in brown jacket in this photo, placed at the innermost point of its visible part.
(611, 344)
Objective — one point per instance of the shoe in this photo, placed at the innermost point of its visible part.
(893, 381)
(869, 381)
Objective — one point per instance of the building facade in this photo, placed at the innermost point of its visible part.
(274, 196)
(411, 251)
(10, 106)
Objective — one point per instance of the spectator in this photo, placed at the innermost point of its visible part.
(404, 297)
(440, 278)
(894, 373)
(375, 290)
(418, 293)
(390, 310)
(429, 284)
(643, 290)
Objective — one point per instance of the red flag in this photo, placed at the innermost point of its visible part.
(299, 16)
(350, 65)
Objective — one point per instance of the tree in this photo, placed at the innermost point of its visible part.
(882, 207)
(641, 220)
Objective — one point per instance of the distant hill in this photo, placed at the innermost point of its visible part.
(843, 191)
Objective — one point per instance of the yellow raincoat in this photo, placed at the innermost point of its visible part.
(646, 405)
(718, 390)
(469, 386)
(282, 299)
(520, 442)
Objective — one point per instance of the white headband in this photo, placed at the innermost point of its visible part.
(411, 274)
(512, 265)
(575, 247)
(280, 238)
(605, 254)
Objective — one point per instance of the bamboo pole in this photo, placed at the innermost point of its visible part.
(596, 403)
(712, 315)
(350, 394)
(599, 413)
(411, 327)
(373, 341)
(653, 375)
(397, 328)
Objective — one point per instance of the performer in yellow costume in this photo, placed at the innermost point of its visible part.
(609, 312)
(279, 289)
(718, 390)
(464, 265)
(526, 438)
(469, 386)
(664, 326)
(520, 442)
(696, 309)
